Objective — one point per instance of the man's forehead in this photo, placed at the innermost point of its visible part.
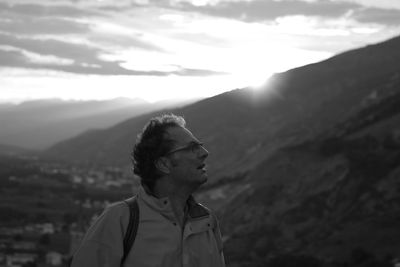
(180, 134)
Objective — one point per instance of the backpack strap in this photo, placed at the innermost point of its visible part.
(131, 232)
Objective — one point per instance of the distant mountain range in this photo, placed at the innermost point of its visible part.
(38, 124)
(306, 166)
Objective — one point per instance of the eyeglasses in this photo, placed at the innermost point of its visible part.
(192, 146)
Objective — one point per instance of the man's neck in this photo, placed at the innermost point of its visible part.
(177, 196)
(179, 207)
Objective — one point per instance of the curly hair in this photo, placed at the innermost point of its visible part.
(151, 144)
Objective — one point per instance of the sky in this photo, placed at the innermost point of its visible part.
(173, 49)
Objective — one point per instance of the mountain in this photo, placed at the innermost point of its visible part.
(334, 198)
(303, 172)
(41, 123)
(330, 201)
(243, 127)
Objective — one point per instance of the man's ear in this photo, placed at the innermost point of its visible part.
(163, 165)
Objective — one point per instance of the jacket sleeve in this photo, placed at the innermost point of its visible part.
(102, 245)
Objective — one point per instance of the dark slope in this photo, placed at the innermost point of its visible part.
(326, 199)
(243, 127)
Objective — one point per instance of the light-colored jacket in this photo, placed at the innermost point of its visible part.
(160, 241)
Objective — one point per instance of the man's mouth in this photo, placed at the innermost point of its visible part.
(202, 167)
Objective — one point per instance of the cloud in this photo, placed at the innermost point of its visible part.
(86, 58)
(269, 10)
(77, 52)
(124, 41)
(254, 11)
(201, 38)
(36, 10)
(82, 53)
(39, 19)
(121, 7)
(389, 17)
(18, 59)
(196, 72)
(44, 26)
(73, 58)
(12, 58)
(58, 26)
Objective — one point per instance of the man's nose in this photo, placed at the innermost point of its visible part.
(203, 153)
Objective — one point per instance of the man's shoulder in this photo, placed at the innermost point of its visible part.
(118, 205)
(116, 209)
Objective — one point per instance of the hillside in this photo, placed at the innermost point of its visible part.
(326, 199)
(242, 127)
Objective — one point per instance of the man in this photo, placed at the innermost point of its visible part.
(173, 230)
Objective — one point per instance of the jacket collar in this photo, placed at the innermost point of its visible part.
(162, 205)
(195, 209)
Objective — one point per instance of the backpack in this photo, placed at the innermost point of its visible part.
(131, 231)
(133, 224)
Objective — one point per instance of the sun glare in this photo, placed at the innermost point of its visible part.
(256, 81)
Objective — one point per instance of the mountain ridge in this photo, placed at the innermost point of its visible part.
(294, 106)
(38, 124)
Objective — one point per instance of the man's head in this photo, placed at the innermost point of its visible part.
(166, 147)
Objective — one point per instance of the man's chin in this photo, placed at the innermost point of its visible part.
(204, 179)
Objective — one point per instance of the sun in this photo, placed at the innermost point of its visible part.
(254, 78)
(259, 82)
